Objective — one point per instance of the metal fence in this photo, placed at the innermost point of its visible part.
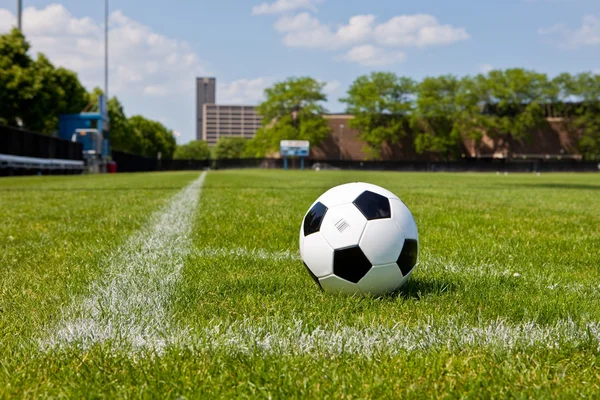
(19, 142)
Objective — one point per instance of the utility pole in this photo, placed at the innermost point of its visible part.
(105, 49)
(20, 15)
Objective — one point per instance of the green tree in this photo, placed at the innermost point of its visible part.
(230, 147)
(381, 103)
(292, 110)
(15, 76)
(586, 87)
(194, 150)
(34, 92)
(151, 138)
(122, 137)
(435, 120)
(515, 98)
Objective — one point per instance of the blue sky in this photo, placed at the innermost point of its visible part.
(157, 48)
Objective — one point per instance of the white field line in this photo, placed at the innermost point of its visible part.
(295, 338)
(129, 306)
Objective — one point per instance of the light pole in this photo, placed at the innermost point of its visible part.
(105, 49)
(20, 15)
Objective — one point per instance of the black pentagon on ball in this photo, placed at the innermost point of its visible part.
(313, 276)
(351, 264)
(373, 205)
(408, 256)
(314, 218)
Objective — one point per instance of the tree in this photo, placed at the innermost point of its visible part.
(292, 110)
(586, 87)
(194, 150)
(230, 147)
(122, 137)
(515, 98)
(438, 110)
(151, 138)
(15, 77)
(381, 103)
(34, 92)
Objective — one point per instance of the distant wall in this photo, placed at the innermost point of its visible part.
(344, 143)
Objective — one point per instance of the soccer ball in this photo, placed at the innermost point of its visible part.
(359, 238)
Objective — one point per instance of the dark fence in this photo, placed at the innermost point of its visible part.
(127, 162)
(465, 165)
(18, 142)
(132, 163)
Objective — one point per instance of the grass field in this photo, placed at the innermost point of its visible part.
(182, 285)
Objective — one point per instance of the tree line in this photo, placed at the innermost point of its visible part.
(437, 113)
(34, 93)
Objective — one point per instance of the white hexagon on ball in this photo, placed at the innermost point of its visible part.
(381, 279)
(382, 241)
(343, 226)
(334, 284)
(404, 218)
(320, 257)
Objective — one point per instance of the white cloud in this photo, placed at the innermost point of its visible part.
(588, 34)
(243, 91)
(485, 68)
(418, 30)
(156, 90)
(370, 56)
(7, 20)
(596, 71)
(331, 87)
(141, 60)
(359, 28)
(282, 6)
(301, 22)
(252, 91)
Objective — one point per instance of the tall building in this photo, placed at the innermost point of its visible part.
(206, 93)
(229, 121)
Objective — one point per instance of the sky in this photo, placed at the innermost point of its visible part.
(157, 48)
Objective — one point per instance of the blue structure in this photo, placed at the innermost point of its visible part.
(90, 129)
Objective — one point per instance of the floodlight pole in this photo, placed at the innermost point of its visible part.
(105, 49)
(20, 15)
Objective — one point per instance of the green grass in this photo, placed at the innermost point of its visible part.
(505, 301)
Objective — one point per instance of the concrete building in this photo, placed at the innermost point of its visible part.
(229, 121)
(206, 93)
(214, 121)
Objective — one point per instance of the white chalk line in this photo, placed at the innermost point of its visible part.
(129, 305)
(296, 338)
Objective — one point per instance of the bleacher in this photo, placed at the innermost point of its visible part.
(25, 152)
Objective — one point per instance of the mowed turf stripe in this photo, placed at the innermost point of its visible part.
(128, 308)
